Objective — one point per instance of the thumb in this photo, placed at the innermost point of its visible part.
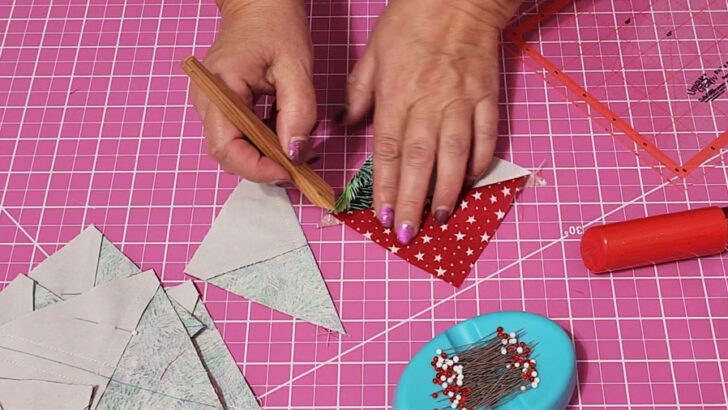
(359, 92)
(296, 102)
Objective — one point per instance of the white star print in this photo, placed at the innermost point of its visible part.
(368, 235)
(438, 258)
(387, 231)
(443, 227)
(485, 237)
(477, 195)
(419, 256)
(459, 236)
(469, 252)
(440, 271)
(506, 191)
(493, 199)
(500, 214)
(393, 249)
(426, 239)
(471, 219)
(463, 204)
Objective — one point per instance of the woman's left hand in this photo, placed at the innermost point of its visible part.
(432, 67)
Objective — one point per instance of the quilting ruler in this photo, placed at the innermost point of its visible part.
(96, 127)
(652, 73)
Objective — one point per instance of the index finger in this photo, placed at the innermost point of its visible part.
(236, 155)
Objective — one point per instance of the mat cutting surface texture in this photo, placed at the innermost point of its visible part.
(95, 127)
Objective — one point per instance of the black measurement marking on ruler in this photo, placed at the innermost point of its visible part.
(709, 87)
(702, 84)
(713, 93)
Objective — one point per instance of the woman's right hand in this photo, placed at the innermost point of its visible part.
(263, 47)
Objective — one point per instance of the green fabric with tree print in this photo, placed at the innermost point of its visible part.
(358, 192)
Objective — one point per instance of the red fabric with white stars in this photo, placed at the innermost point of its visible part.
(448, 252)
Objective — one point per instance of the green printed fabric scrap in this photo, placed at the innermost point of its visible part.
(358, 193)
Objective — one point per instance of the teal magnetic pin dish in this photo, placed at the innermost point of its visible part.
(553, 357)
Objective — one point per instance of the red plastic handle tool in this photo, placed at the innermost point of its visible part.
(656, 239)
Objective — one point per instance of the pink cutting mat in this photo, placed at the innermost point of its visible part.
(95, 127)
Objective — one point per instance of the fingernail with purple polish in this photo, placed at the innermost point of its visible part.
(296, 150)
(405, 233)
(441, 215)
(386, 216)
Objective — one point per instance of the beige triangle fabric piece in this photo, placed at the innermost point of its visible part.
(43, 395)
(78, 341)
(501, 170)
(160, 367)
(171, 356)
(256, 249)
(234, 391)
(185, 294)
(16, 299)
(256, 223)
(81, 256)
(87, 260)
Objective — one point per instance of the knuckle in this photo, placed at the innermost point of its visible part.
(355, 83)
(423, 49)
(227, 168)
(486, 130)
(251, 176)
(418, 155)
(387, 186)
(217, 151)
(420, 117)
(388, 88)
(456, 145)
(300, 112)
(387, 149)
(490, 93)
(409, 203)
(459, 108)
(485, 135)
(447, 192)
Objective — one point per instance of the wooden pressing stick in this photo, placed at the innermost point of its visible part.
(311, 184)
